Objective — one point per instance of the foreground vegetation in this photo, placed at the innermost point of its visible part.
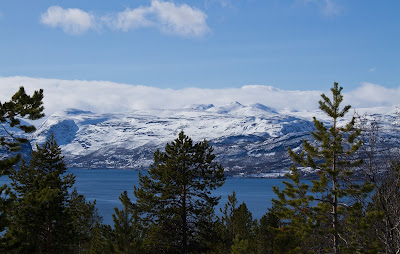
(174, 211)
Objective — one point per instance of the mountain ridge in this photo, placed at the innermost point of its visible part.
(247, 139)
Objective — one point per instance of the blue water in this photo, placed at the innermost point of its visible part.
(106, 185)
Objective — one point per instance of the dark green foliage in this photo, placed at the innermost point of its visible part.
(265, 232)
(317, 213)
(45, 217)
(20, 106)
(85, 221)
(102, 239)
(40, 222)
(236, 229)
(226, 225)
(127, 232)
(175, 198)
(242, 220)
(240, 246)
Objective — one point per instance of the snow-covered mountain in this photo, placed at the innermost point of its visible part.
(246, 139)
(5, 131)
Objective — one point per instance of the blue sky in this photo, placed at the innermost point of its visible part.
(287, 44)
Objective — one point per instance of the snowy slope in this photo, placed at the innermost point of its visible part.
(247, 139)
(6, 131)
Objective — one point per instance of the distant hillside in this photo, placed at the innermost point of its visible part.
(248, 140)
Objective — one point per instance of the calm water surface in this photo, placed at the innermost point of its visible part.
(106, 185)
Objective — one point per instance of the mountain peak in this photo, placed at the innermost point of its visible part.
(229, 107)
(200, 107)
(71, 112)
(263, 107)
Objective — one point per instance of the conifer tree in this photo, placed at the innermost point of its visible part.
(175, 197)
(40, 222)
(46, 218)
(85, 221)
(227, 227)
(265, 232)
(102, 239)
(243, 222)
(237, 226)
(127, 232)
(21, 106)
(240, 246)
(317, 212)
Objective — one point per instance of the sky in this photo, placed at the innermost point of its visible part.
(200, 46)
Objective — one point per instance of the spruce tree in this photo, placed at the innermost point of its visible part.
(317, 213)
(175, 197)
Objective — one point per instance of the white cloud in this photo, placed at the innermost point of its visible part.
(170, 18)
(372, 95)
(71, 21)
(129, 19)
(372, 69)
(103, 96)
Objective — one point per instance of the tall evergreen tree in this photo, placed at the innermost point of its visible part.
(226, 225)
(127, 232)
(40, 222)
(317, 213)
(46, 218)
(236, 226)
(85, 221)
(265, 231)
(21, 106)
(175, 197)
(243, 222)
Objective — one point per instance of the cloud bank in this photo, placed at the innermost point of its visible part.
(103, 96)
(169, 18)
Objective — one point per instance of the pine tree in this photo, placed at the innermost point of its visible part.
(46, 218)
(21, 106)
(85, 221)
(243, 222)
(226, 227)
(102, 239)
(317, 212)
(236, 223)
(265, 232)
(127, 232)
(175, 197)
(240, 246)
